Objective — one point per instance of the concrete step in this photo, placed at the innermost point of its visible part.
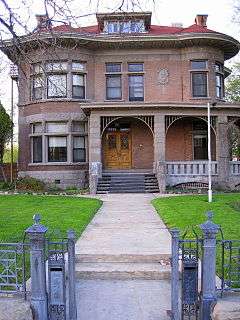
(122, 271)
(125, 257)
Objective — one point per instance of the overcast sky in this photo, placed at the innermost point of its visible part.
(220, 18)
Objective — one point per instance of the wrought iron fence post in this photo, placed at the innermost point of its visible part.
(71, 275)
(175, 312)
(208, 298)
(36, 234)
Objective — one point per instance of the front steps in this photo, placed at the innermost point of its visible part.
(122, 267)
(123, 182)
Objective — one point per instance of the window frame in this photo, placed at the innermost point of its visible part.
(137, 74)
(32, 148)
(84, 149)
(84, 85)
(219, 73)
(48, 147)
(203, 71)
(113, 74)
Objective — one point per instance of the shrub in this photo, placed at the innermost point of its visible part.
(30, 184)
(6, 186)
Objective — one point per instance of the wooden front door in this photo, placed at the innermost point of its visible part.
(117, 150)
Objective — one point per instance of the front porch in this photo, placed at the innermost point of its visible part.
(177, 144)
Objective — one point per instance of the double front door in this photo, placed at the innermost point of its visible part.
(117, 150)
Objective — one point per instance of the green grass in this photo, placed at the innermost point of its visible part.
(184, 211)
(57, 213)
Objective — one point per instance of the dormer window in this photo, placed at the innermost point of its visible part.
(136, 26)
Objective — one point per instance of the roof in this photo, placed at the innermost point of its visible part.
(153, 30)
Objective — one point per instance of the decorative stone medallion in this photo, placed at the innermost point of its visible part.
(163, 75)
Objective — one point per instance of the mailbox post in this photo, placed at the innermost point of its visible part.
(36, 234)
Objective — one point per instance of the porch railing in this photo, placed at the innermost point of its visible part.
(235, 167)
(190, 168)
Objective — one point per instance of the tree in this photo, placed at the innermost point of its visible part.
(233, 85)
(6, 127)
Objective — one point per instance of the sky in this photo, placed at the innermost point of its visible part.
(164, 12)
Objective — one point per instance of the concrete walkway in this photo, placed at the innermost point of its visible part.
(122, 262)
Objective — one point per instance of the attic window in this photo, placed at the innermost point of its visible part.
(136, 26)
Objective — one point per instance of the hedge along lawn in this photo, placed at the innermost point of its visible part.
(57, 213)
(185, 211)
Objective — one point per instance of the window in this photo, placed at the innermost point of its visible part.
(59, 142)
(114, 88)
(78, 126)
(135, 82)
(113, 67)
(219, 80)
(135, 67)
(135, 26)
(53, 83)
(79, 151)
(37, 149)
(78, 86)
(37, 127)
(37, 83)
(199, 84)
(199, 78)
(57, 86)
(57, 149)
(56, 127)
(113, 81)
(199, 64)
(200, 147)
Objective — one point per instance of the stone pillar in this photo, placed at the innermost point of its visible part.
(71, 276)
(223, 153)
(175, 312)
(208, 298)
(36, 234)
(95, 151)
(159, 151)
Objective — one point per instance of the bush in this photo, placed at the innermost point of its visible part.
(30, 184)
(6, 186)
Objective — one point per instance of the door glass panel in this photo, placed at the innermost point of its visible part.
(112, 142)
(124, 142)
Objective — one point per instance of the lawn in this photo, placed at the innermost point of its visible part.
(57, 212)
(184, 211)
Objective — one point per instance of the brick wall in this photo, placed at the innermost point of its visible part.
(179, 141)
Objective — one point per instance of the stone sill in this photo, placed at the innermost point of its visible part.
(56, 164)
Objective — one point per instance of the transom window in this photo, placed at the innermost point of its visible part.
(58, 142)
(199, 78)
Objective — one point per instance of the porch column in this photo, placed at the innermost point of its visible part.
(223, 154)
(95, 161)
(159, 151)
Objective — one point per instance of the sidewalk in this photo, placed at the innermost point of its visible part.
(122, 262)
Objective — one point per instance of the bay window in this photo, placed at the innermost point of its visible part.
(53, 82)
(58, 141)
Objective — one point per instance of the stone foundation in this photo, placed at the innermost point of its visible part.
(62, 179)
